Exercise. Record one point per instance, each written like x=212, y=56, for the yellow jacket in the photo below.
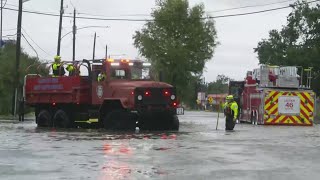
x=231, y=109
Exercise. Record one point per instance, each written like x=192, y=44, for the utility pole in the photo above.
x=60, y=27
x=1, y=23
x=74, y=35
x=106, y=51
x=17, y=67
x=94, y=45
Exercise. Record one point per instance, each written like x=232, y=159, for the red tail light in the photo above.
x=166, y=92
x=132, y=93
x=174, y=104
x=53, y=104
x=147, y=93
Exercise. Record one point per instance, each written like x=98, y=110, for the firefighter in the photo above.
x=57, y=67
x=231, y=112
x=71, y=69
x=101, y=76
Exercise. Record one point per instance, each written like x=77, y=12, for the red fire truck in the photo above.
x=275, y=95
x=123, y=100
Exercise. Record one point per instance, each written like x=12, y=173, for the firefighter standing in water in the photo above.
x=231, y=112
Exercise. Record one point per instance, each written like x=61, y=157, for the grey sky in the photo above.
x=233, y=57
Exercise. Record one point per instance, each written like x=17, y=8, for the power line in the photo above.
x=30, y=45
x=9, y=35
x=144, y=20
x=250, y=6
x=36, y=43
x=213, y=11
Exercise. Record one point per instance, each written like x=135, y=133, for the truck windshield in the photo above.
x=140, y=73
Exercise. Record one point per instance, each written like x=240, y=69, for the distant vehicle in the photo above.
x=275, y=95
x=116, y=102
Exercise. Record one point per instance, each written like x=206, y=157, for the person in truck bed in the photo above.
x=57, y=67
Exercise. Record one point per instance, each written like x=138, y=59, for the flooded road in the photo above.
x=197, y=151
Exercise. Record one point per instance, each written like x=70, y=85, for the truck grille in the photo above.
x=154, y=96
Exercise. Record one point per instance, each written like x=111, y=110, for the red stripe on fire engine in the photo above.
x=275, y=111
x=304, y=114
x=309, y=100
x=275, y=119
x=293, y=120
x=304, y=105
x=271, y=106
x=270, y=98
x=284, y=119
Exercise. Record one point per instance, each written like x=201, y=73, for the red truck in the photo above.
x=275, y=95
x=117, y=102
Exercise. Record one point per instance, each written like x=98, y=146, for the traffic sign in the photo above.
x=210, y=99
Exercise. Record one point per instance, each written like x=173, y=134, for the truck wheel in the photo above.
x=175, y=123
x=120, y=120
x=61, y=119
x=44, y=119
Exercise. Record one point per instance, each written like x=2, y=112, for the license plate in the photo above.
x=180, y=111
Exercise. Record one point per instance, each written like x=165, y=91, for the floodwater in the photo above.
x=197, y=151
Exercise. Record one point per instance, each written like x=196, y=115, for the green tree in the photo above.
x=178, y=42
x=219, y=86
x=7, y=73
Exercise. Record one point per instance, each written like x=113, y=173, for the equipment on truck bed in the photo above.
x=124, y=99
x=275, y=95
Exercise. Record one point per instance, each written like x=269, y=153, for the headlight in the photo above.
x=139, y=97
x=173, y=97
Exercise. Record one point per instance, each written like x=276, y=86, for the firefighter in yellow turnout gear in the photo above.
x=57, y=67
x=231, y=112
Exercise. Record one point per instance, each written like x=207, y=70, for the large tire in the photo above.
x=44, y=119
x=175, y=123
x=119, y=120
x=62, y=120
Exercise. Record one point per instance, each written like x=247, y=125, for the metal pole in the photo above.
x=60, y=27
x=18, y=51
x=1, y=24
x=74, y=35
x=218, y=116
x=94, y=45
x=106, y=50
x=301, y=76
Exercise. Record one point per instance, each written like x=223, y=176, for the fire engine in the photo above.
x=122, y=100
x=275, y=95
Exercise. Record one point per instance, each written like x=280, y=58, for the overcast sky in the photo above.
x=233, y=57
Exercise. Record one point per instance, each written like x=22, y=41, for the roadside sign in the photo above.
x=210, y=99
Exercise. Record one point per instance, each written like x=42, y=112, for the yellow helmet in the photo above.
x=57, y=58
x=230, y=97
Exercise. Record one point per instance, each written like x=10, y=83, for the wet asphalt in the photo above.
x=197, y=151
